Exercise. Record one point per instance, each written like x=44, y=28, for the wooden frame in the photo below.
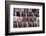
x=7, y=10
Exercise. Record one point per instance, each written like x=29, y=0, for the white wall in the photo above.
x=2, y=17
